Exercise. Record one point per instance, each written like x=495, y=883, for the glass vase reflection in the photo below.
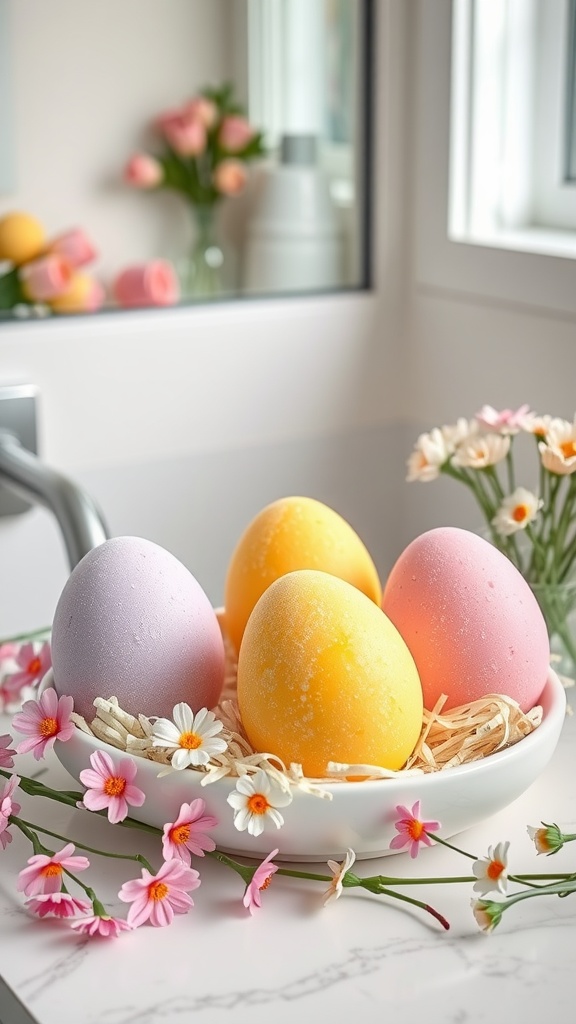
x=208, y=272
x=558, y=605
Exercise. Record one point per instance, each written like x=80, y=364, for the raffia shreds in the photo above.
x=466, y=733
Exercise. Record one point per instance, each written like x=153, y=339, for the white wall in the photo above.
x=87, y=81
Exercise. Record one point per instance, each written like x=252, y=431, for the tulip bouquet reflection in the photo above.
x=205, y=145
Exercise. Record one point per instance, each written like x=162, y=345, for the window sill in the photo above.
x=540, y=241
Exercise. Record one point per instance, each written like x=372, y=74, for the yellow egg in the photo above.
x=324, y=675
x=21, y=237
x=293, y=533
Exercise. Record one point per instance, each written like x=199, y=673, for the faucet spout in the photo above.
x=81, y=522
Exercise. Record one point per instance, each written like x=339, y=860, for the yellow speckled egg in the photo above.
x=324, y=675
x=293, y=533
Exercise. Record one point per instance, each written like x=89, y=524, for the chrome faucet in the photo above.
x=26, y=480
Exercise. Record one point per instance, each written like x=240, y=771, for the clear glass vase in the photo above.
x=558, y=604
x=206, y=273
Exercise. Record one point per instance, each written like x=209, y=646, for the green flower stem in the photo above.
x=89, y=849
x=31, y=635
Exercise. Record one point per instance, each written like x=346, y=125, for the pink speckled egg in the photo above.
x=133, y=622
x=470, y=620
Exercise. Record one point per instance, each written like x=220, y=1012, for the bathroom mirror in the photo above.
x=81, y=91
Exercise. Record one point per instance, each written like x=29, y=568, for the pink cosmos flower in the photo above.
x=6, y=753
x=75, y=246
x=158, y=897
x=7, y=807
x=230, y=177
x=235, y=133
x=45, y=278
x=44, y=721
x=147, y=284
x=143, y=171
x=260, y=880
x=44, y=874
x=96, y=924
x=412, y=831
x=110, y=785
x=33, y=663
x=184, y=131
x=186, y=835
x=8, y=651
x=61, y=904
x=507, y=422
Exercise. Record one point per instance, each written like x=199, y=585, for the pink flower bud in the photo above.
x=46, y=277
x=147, y=284
x=74, y=246
x=230, y=177
x=203, y=109
x=185, y=133
x=235, y=133
x=143, y=171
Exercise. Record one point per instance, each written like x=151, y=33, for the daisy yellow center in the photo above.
x=114, y=785
x=48, y=727
x=157, y=891
x=415, y=829
x=181, y=834
x=34, y=666
x=258, y=804
x=52, y=870
x=265, y=883
x=520, y=513
x=190, y=740
x=494, y=869
x=568, y=449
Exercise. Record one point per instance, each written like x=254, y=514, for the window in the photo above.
x=513, y=137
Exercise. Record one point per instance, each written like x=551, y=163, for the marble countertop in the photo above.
x=362, y=958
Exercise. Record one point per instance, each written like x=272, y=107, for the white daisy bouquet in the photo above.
x=535, y=526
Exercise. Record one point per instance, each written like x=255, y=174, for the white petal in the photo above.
x=243, y=819
x=256, y=824
x=183, y=717
x=180, y=759
x=276, y=817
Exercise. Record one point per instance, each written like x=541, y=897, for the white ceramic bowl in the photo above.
x=360, y=815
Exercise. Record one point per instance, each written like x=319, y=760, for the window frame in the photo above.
x=501, y=271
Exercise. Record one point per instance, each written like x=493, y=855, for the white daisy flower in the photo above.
x=334, y=890
x=558, y=450
x=482, y=450
x=192, y=737
x=430, y=453
x=256, y=800
x=516, y=511
x=490, y=871
x=537, y=425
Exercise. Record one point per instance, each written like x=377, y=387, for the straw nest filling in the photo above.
x=463, y=734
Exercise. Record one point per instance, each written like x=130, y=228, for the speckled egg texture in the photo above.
x=134, y=623
x=323, y=675
x=469, y=618
x=288, y=534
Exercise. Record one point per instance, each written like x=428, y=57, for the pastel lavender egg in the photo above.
x=469, y=618
x=134, y=623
